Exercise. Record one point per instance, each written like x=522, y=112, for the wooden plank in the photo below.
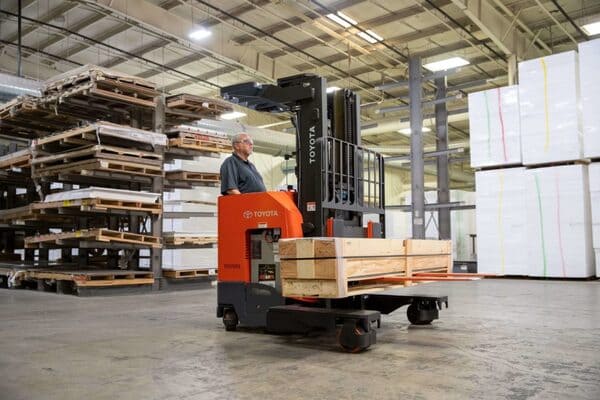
x=343, y=268
x=432, y=263
x=339, y=247
x=421, y=247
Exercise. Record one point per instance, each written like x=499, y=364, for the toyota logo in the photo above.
x=247, y=214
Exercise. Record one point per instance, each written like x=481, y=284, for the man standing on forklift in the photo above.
x=238, y=174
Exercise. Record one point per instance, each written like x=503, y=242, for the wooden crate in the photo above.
x=341, y=267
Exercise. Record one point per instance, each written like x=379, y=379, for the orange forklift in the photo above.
x=339, y=183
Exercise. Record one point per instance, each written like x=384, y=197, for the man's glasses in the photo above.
x=247, y=141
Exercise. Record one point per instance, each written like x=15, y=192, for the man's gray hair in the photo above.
x=238, y=138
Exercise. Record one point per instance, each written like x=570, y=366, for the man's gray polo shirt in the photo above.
x=241, y=175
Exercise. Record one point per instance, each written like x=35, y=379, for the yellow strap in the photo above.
x=546, y=115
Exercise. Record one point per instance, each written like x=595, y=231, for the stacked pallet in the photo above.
x=100, y=149
x=342, y=267
x=554, y=184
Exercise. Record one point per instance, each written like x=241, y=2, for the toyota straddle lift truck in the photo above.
x=338, y=183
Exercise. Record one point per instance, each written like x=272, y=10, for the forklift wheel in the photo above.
x=230, y=319
x=348, y=343
x=413, y=316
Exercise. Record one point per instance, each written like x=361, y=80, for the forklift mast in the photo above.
x=339, y=182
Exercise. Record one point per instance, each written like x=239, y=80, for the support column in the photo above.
x=443, y=175
x=157, y=187
x=416, y=148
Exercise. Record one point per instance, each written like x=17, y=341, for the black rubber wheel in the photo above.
x=351, y=348
x=230, y=320
x=413, y=316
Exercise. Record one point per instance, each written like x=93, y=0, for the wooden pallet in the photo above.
x=102, y=132
x=199, y=135
x=189, y=273
x=93, y=81
x=16, y=160
x=58, y=211
x=178, y=240
x=98, y=164
x=98, y=151
x=97, y=235
x=96, y=278
x=201, y=145
x=202, y=107
x=27, y=117
x=192, y=176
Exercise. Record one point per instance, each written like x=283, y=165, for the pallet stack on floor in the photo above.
x=534, y=210
x=88, y=187
x=193, y=185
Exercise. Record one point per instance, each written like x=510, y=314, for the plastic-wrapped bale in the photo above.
x=551, y=128
x=501, y=227
x=494, y=127
x=595, y=201
x=589, y=63
x=559, y=225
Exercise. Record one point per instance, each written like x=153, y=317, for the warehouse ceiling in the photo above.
x=261, y=40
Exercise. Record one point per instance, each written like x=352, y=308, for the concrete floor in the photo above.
x=500, y=339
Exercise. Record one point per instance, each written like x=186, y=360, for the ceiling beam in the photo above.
x=49, y=16
x=498, y=28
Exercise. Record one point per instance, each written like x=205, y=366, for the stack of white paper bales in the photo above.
x=595, y=200
x=494, y=125
x=549, y=108
x=559, y=237
x=589, y=65
x=538, y=221
x=501, y=221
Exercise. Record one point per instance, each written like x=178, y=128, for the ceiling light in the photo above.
x=332, y=89
x=370, y=36
x=342, y=19
x=199, y=34
x=232, y=115
x=592, y=29
x=407, y=131
x=442, y=65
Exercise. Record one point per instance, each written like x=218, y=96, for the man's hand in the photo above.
x=233, y=191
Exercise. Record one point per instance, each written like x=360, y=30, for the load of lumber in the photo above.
x=341, y=267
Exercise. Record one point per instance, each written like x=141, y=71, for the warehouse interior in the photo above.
x=442, y=155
